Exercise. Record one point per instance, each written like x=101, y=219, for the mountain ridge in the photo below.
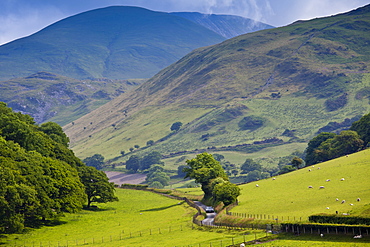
x=311, y=70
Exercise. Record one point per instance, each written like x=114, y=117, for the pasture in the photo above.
x=140, y=218
x=290, y=195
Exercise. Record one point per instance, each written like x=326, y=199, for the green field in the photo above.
x=140, y=218
x=289, y=195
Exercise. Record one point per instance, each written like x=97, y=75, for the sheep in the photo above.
x=318, y=168
x=343, y=201
x=322, y=187
x=337, y=199
x=327, y=208
x=310, y=187
x=321, y=235
x=309, y=170
x=342, y=179
x=358, y=199
x=273, y=178
x=327, y=180
x=358, y=236
x=242, y=245
x=257, y=185
x=351, y=204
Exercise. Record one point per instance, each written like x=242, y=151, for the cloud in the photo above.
x=25, y=21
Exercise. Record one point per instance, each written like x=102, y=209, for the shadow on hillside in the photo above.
x=161, y=208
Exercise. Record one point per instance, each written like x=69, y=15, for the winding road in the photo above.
x=209, y=221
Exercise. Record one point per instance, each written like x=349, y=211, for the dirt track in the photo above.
x=122, y=178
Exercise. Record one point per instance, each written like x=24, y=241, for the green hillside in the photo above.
x=289, y=195
x=115, y=42
x=283, y=83
x=51, y=97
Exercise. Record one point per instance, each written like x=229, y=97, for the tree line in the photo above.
x=40, y=177
x=327, y=145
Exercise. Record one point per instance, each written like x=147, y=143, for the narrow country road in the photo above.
x=209, y=221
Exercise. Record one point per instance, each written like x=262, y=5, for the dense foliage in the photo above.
x=207, y=171
x=326, y=146
x=39, y=175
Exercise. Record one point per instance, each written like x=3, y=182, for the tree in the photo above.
x=156, y=174
x=312, y=156
x=226, y=192
x=176, y=126
x=132, y=149
x=97, y=161
x=346, y=142
x=150, y=159
x=253, y=176
x=180, y=171
x=296, y=162
x=203, y=169
x=97, y=186
x=286, y=169
x=218, y=157
x=122, y=153
x=250, y=165
x=362, y=127
x=55, y=132
x=133, y=163
x=150, y=142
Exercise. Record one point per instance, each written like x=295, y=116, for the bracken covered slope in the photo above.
x=252, y=87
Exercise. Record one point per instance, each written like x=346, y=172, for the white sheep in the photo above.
x=322, y=187
x=342, y=179
x=351, y=204
x=358, y=199
x=343, y=201
x=358, y=236
x=310, y=187
x=309, y=170
x=242, y=245
x=273, y=178
x=257, y=185
x=327, y=180
x=327, y=208
x=337, y=199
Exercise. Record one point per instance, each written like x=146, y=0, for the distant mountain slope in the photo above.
x=51, y=97
x=114, y=42
x=228, y=26
x=283, y=83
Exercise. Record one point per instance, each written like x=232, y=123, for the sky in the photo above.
x=20, y=18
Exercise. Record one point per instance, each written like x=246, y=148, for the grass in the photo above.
x=140, y=218
x=289, y=194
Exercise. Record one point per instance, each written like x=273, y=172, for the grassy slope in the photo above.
x=304, y=60
x=117, y=42
x=138, y=212
x=51, y=97
x=289, y=194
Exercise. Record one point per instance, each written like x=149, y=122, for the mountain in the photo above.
x=51, y=97
x=270, y=87
x=116, y=42
x=228, y=26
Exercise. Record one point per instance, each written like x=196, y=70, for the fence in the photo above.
x=325, y=229
x=278, y=219
x=99, y=240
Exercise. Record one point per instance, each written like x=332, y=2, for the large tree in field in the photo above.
x=97, y=187
x=204, y=168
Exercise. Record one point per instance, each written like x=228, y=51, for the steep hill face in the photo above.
x=283, y=83
x=51, y=97
x=228, y=26
x=114, y=42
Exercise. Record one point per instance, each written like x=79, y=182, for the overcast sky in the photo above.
x=19, y=18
